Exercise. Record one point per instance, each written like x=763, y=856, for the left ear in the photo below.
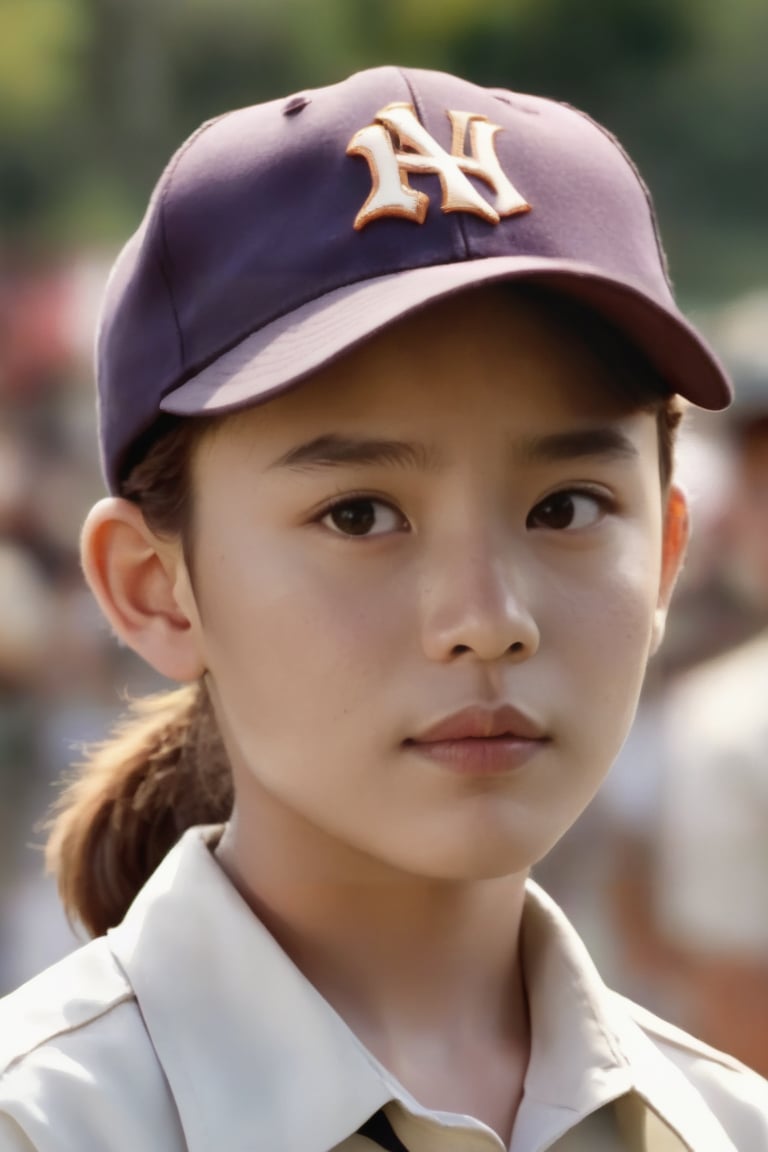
x=674, y=544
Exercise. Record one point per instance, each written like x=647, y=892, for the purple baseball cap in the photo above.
x=281, y=235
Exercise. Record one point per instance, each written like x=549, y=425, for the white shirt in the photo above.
x=188, y=1029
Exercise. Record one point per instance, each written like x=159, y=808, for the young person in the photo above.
x=388, y=385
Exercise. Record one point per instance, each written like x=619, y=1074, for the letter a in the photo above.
x=397, y=128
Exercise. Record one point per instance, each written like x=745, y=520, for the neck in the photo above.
x=388, y=950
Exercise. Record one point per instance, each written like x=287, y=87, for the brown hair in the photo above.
x=164, y=769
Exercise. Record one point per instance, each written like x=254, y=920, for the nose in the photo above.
x=476, y=603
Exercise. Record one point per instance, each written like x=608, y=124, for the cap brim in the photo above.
x=286, y=351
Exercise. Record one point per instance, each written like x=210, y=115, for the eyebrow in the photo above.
x=331, y=450
x=607, y=442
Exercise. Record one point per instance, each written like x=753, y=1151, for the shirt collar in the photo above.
x=588, y=1051
x=232, y=1018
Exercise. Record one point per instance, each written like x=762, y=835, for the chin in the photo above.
x=506, y=839
x=486, y=857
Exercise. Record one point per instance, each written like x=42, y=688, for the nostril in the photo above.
x=516, y=647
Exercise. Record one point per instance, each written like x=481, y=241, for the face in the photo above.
x=461, y=517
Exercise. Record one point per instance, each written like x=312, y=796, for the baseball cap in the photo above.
x=281, y=235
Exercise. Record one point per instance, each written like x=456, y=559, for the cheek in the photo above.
x=293, y=646
x=603, y=632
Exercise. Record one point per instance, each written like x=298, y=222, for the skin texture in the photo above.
x=493, y=573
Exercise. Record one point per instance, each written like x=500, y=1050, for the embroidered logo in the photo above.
x=397, y=143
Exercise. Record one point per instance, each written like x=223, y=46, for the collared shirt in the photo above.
x=188, y=1029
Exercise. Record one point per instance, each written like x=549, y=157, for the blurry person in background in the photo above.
x=26, y=613
x=712, y=888
x=57, y=665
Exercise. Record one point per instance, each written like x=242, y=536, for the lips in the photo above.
x=480, y=743
x=477, y=723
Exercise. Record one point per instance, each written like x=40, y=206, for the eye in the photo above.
x=568, y=510
x=362, y=516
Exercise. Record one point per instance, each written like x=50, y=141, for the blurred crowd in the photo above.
x=666, y=874
x=62, y=676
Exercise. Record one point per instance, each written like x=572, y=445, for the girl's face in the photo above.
x=459, y=515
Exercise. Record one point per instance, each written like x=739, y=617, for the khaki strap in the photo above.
x=643, y=1130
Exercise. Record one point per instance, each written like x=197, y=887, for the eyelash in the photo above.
x=603, y=500
x=350, y=498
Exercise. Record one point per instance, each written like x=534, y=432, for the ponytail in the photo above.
x=164, y=768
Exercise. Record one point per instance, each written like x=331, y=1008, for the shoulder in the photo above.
x=65, y=998
x=74, y=1059
x=736, y=1095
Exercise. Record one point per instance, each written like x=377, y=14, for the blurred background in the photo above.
x=94, y=97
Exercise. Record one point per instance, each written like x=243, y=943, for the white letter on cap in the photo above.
x=396, y=128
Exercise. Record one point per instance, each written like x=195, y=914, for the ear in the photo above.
x=143, y=588
x=674, y=544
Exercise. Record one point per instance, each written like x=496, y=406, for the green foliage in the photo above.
x=96, y=94
x=39, y=44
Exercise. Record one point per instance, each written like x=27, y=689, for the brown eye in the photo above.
x=362, y=516
x=564, y=510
